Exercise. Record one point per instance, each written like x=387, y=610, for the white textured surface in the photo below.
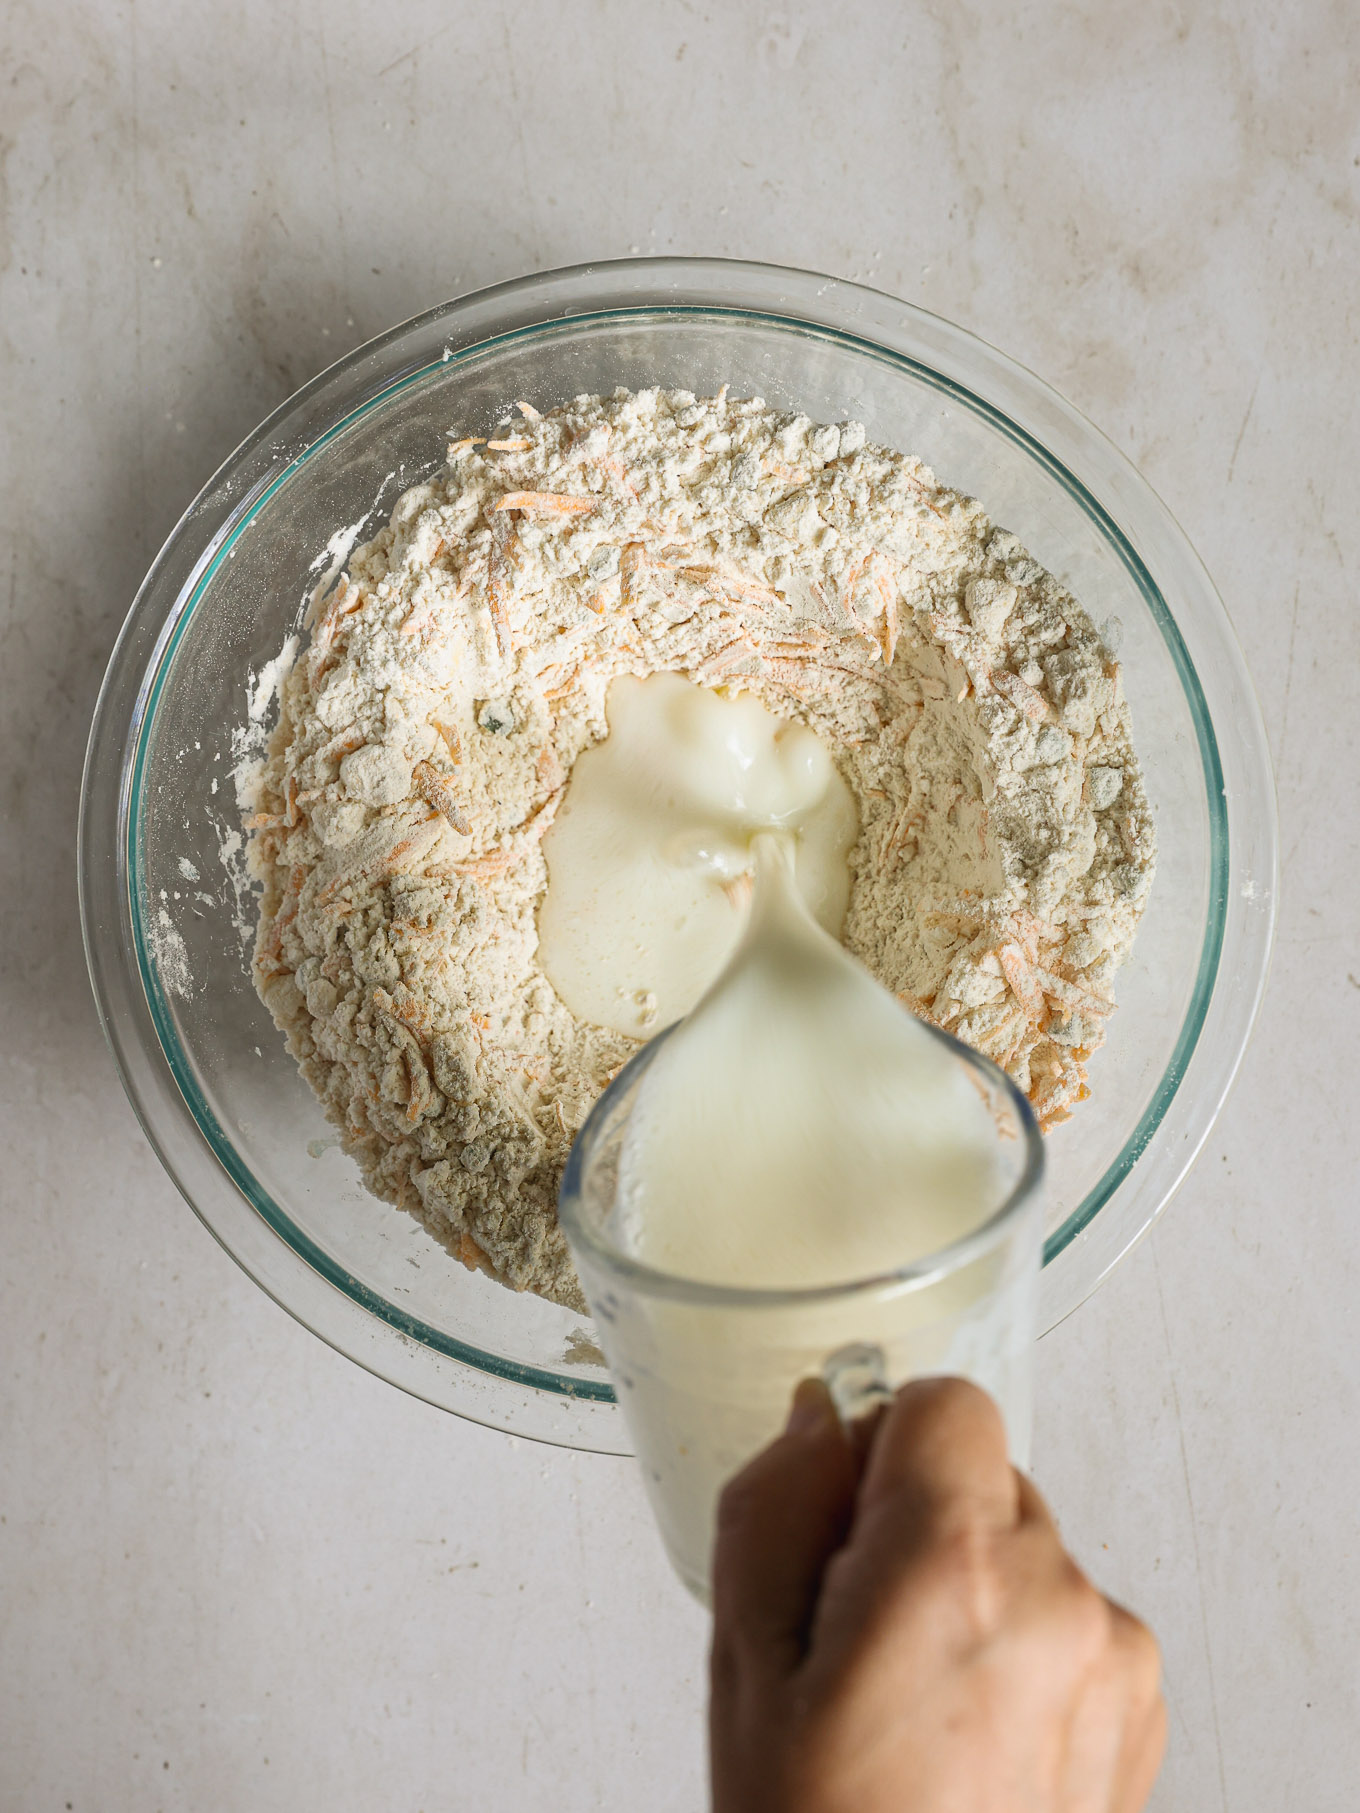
x=238, y=1574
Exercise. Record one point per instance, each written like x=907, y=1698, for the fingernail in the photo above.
x=812, y=1408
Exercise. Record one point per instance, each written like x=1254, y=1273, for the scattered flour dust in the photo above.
x=457, y=667
x=172, y=955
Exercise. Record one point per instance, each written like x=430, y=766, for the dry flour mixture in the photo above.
x=459, y=666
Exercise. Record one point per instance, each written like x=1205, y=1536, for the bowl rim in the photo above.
x=662, y=288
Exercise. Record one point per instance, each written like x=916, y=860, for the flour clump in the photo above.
x=460, y=664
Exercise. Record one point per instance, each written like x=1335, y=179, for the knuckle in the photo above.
x=962, y=1542
x=947, y=1400
x=969, y=1568
x=1154, y=1740
x=1142, y=1656
x=949, y=1392
x=1082, y=1610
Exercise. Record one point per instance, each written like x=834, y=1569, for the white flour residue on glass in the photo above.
x=172, y=955
x=336, y=552
x=330, y=562
x=248, y=740
x=231, y=853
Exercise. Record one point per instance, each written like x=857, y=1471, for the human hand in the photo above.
x=897, y=1628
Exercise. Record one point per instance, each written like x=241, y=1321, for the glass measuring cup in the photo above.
x=704, y=1372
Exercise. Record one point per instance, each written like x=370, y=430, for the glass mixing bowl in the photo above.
x=166, y=919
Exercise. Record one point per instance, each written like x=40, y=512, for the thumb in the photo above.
x=780, y=1520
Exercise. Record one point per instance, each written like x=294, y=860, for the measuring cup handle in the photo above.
x=856, y=1377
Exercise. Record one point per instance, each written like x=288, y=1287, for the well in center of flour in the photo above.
x=464, y=661
x=650, y=857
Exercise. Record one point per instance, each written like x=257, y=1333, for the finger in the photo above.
x=1113, y=1744
x=1141, y=1761
x=863, y=1432
x=779, y=1522
x=1031, y=1505
x=940, y=1456
x=1139, y=1661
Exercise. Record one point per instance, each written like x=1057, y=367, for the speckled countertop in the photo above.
x=239, y=1574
